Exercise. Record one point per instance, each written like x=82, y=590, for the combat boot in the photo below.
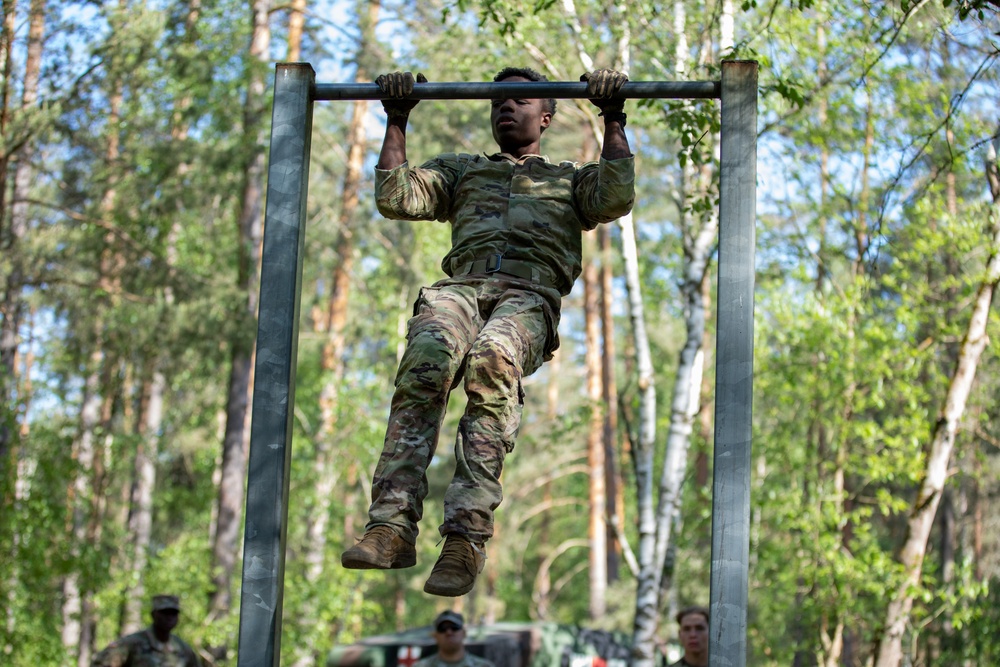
x=456, y=568
x=382, y=548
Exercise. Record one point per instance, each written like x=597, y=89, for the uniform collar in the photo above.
x=498, y=157
x=162, y=647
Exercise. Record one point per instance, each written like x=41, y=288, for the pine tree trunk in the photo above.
x=296, y=24
x=541, y=594
x=7, y=28
x=150, y=420
x=597, y=532
x=77, y=632
x=333, y=325
x=609, y=397
x=12, y=308
x=225, y=542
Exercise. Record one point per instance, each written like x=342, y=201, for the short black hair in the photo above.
x=694, y=609
x=530, y=75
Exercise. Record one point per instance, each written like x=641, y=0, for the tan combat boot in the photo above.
x=456, y=568
x=382, y=548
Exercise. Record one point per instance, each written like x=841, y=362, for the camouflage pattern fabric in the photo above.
x=493, y=328
x=494, y=332
x=530, y=209
x=143, y=649
x=469, y=660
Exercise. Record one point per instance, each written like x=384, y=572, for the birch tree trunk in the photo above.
x=250, y=219
x=921, y=519
x=699, y=234
x=647, y=587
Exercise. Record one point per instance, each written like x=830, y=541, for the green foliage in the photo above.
x=867, y=256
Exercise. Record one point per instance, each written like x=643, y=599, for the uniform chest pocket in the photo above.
x=536, y=187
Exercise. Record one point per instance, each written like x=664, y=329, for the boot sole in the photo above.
x=446, y=591
x=357, y=562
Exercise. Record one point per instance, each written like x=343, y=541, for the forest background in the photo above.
x=134, y=144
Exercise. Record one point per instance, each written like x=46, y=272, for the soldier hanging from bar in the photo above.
x=517, y=222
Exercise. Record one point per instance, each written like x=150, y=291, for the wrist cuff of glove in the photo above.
x=614, y=114
x=397, y=113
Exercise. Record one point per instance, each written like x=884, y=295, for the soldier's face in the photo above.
x=694, y=634
x=449, y=635
x=518, y=122
x=165, y=619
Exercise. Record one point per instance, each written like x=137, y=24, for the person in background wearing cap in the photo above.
x=449, y=634
x=154, y=646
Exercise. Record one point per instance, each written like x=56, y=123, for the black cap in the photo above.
x=166, y=602
x=451, y=617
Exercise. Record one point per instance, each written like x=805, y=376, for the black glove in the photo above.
x=602, y=85
x=398, y=85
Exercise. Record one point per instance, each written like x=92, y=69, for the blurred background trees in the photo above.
x=134, y=140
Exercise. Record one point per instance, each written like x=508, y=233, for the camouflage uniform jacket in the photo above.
x=527, y=209
x=468, y=660
x=143, y=649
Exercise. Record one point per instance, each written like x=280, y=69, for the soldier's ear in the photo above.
x=546, y=119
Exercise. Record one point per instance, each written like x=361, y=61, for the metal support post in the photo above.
x=277, y=338
x=274, y=380
x=734, y=367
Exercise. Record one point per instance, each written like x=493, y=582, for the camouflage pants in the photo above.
x=493, y=332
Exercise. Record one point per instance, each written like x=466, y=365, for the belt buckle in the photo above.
x=490, y=266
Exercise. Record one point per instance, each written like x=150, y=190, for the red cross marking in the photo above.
x=407, y=656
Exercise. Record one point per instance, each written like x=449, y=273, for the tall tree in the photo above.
x=14, y=226
x=12, y=308
x=331, y=326
x=609, y=396
x=942, y=441
x=597, y=533
x=98, y=397
x=249, y=223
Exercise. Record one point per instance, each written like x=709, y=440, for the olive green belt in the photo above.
x=499, y=264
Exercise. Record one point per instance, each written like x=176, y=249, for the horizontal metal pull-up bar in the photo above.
x=562, y=90
x=295, y=92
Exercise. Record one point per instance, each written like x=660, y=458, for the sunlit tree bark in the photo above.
x=250, y=220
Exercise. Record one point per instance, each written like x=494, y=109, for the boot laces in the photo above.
x=460, y=553
x=383, y=535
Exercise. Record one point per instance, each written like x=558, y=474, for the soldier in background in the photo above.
x=693, y=635
x=449, y=635
x=154, y=646
x=516, y=228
